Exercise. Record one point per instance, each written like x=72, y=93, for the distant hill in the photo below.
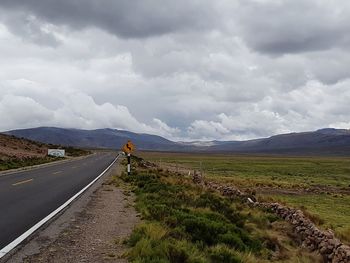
x=100, y=138
x=321, y=142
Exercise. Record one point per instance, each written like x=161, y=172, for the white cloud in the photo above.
x=340, y=125
x=163, y=129
x=22, y=112
x=78, y=110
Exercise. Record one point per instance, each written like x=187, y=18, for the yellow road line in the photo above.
x=57, y=172
x=23, y=182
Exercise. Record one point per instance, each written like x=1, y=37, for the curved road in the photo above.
x=26, y=197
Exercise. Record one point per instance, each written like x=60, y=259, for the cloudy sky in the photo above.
x=185, y=69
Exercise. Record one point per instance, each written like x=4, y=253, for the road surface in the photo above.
x=26, y=197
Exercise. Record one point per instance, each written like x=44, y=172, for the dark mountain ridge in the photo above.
x=323, y=141
x=327, y=141
x=99, y=138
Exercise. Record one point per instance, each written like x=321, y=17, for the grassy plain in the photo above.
x=318, y=185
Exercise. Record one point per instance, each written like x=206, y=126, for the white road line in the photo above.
x=23, y=182
x=30, y=231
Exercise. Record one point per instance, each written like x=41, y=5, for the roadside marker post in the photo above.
x=129, y=163
x=128, y=148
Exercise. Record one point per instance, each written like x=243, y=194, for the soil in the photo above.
x=96, y=233
x=12, y=147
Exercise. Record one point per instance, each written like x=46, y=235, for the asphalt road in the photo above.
x=26, y=197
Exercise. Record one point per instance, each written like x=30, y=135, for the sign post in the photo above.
x=129, y=163
x=128, y=148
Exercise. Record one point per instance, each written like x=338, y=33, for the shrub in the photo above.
x=222, y=254
x=220, y=205
x=150, y=244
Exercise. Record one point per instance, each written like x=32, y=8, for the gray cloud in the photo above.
x=279, y=27
x=128, y=19
x=29, y=28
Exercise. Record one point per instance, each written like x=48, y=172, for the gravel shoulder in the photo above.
x=93, y=234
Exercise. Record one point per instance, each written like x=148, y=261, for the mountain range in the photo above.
x=327, y=141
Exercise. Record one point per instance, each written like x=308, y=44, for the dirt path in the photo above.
x=96, y=233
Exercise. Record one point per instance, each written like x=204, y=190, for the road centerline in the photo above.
x=23, y=182
x=58, y=172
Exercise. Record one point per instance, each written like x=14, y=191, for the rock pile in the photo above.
x=146, y=164
x=331, y=248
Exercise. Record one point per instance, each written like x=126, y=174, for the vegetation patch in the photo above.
x=184, y=223
x=75, y=152
x=14, y=163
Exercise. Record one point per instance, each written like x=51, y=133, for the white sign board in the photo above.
x=56, y=152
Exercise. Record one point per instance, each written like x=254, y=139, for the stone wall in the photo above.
x=331, y=248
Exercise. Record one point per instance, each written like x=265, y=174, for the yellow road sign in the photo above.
x=128, y=147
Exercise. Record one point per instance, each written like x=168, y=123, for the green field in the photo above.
x=318, y=185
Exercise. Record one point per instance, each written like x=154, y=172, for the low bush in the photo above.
x=221, y=205
x=151, y=243
x=75, y=152
x=223, y=254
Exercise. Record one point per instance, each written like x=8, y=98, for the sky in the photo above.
x=185, y=69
